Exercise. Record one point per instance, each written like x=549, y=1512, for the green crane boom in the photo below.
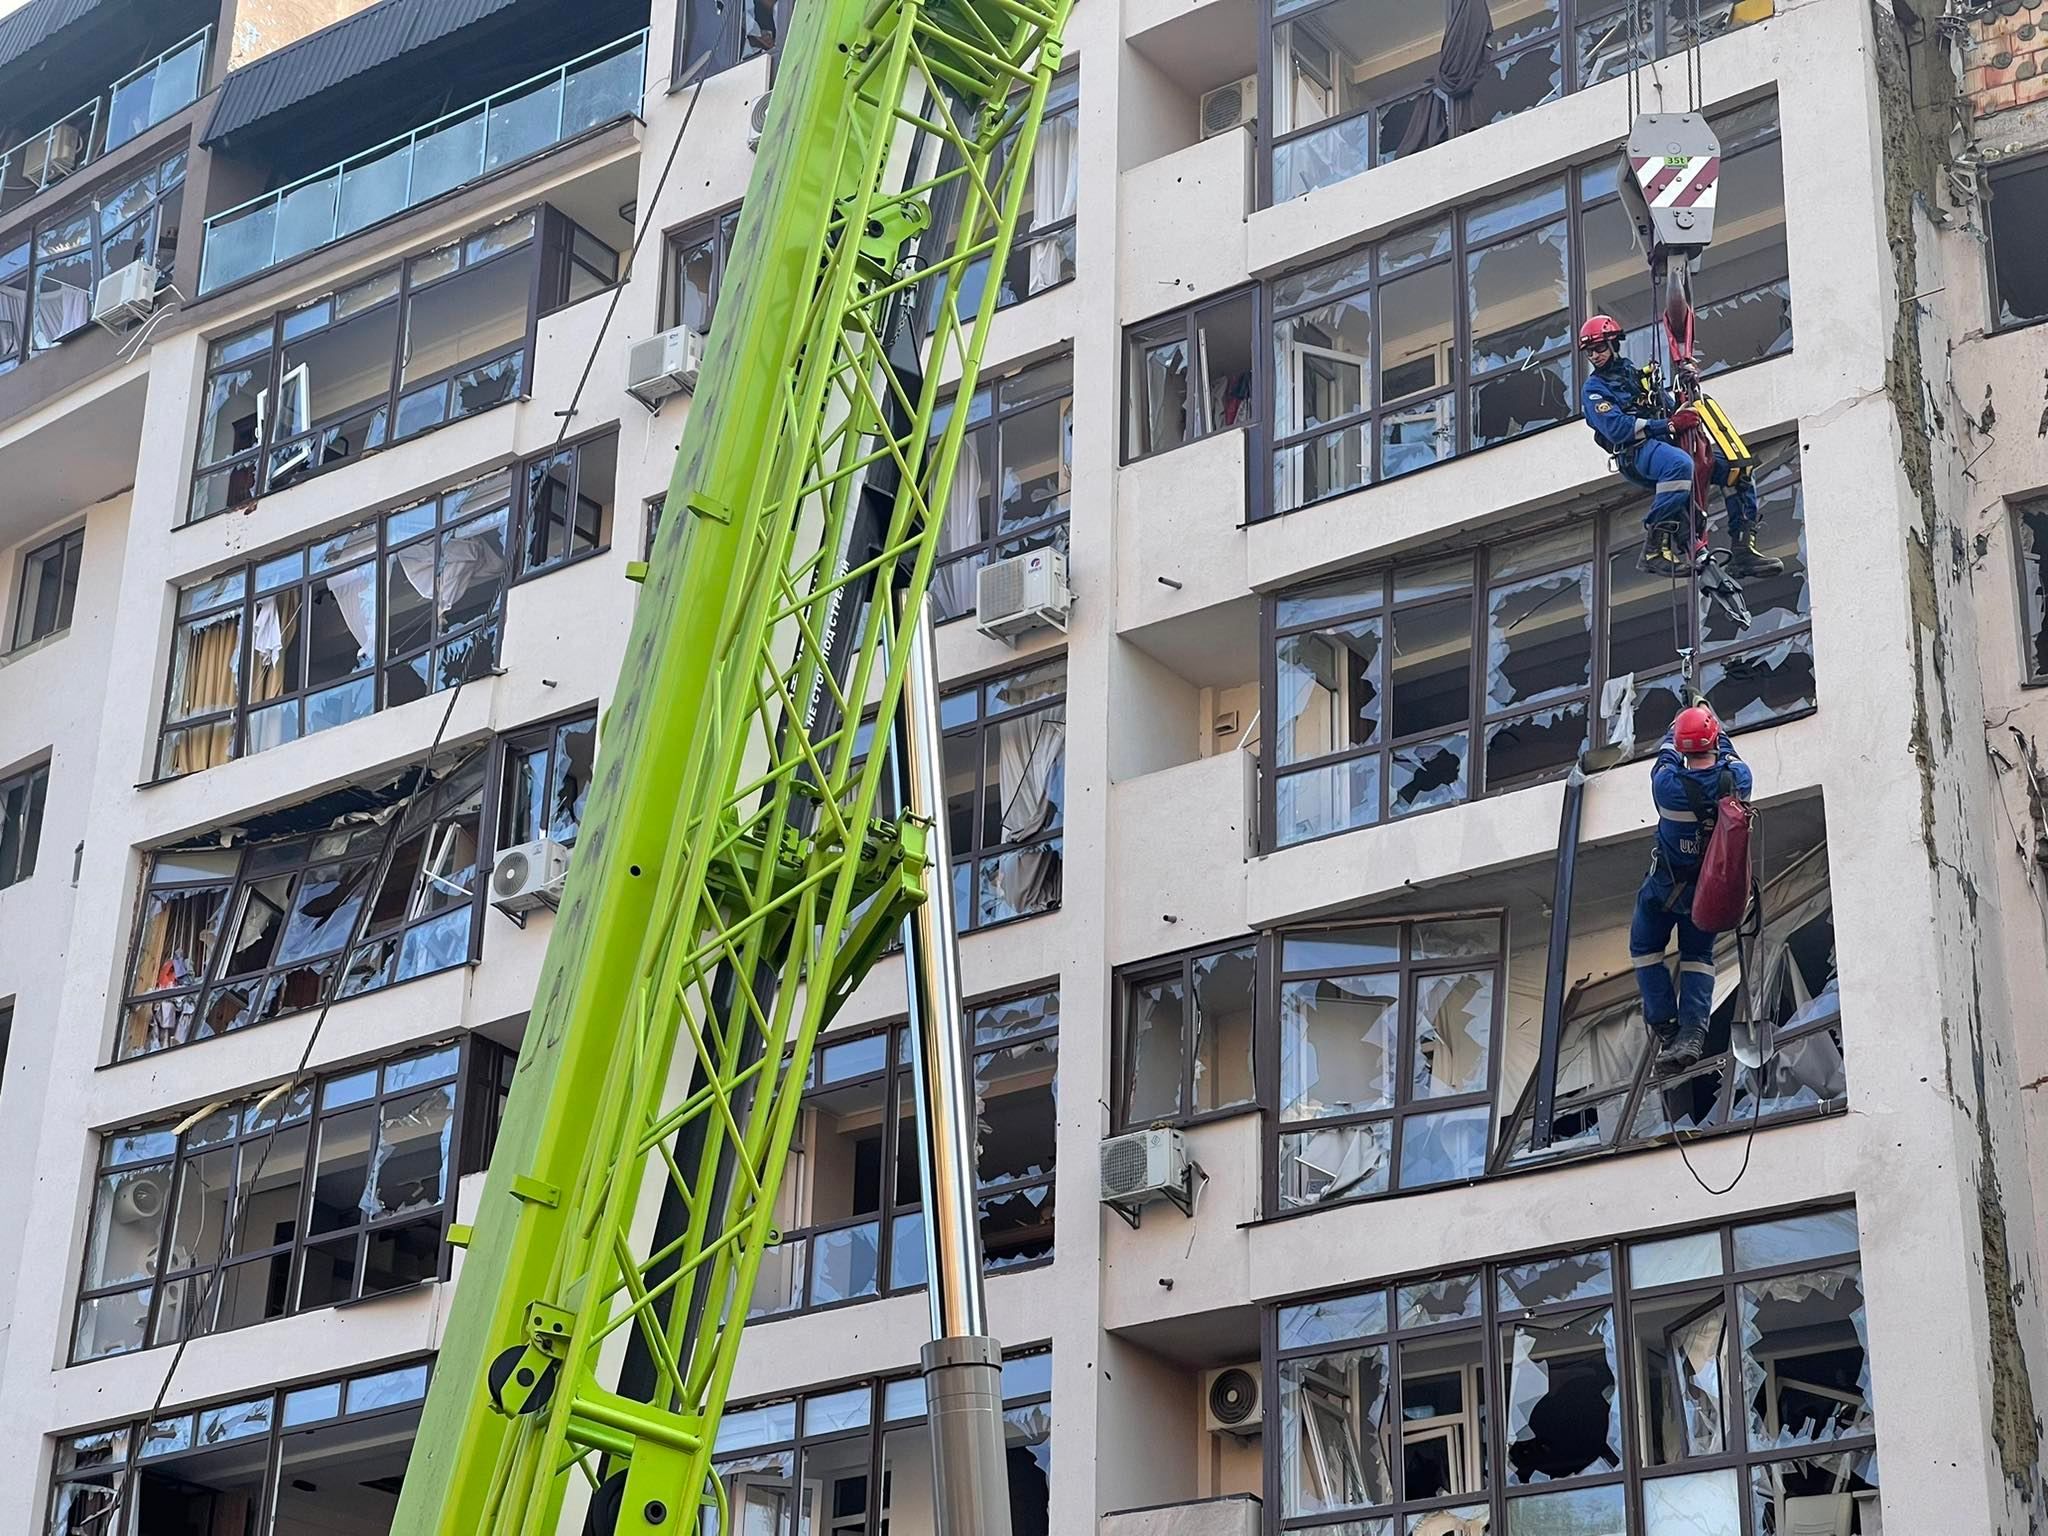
x=733, y=881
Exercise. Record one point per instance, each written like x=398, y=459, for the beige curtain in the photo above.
x=205, y=683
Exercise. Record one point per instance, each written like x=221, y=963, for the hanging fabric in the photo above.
x=1445, y=111
x=1055, y=193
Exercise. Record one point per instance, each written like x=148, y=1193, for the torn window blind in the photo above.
x=231, y=937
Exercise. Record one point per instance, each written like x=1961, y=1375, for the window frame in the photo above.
x=256, y=1124
x=896, y=1077
x=2011, y=169
x=735, y=45
x=968, y=861
x=1563, y=35
x=1582, y=198
x=2020, y=511
x=32, y=784
x=984, y=427
x=68, y=549
x=1190, y=317
x=1495, y=1320
x=131, y=1434
x=367, y=936
x=544, y=737
x=1403, y=1105
x=261, y=459
x=1182, y=966
x=1779, y=471
x=522, y=529
x=719, y=229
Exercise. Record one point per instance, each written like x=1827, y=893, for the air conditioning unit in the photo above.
x=1139, y=1167
x=529, y=876
x=140, y=1201
x=125, y=296
x=664, y=364
x=757, y=121
x=1230, y=1400
x=1230, y=106
x=1025, y=592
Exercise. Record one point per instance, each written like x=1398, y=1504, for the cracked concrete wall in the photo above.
x=1988, y=948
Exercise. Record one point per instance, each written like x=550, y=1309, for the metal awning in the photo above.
x=37, y=23
x=335, y=55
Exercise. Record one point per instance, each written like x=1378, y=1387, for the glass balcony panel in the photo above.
x=374, y=188
x=448, y=156
x=523, y=123
x=602, y=90
x=305, y=217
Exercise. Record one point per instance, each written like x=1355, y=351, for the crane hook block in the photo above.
x=1670, y=172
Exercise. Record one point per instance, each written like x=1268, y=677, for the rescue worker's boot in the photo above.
x=1662, y=1033
x=1662, y=555
x=1686, y=1048
x=1746, y=560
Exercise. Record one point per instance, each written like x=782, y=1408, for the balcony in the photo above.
x=138, y=101
x=514, y=125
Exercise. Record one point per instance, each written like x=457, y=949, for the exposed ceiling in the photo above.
x=55, y=468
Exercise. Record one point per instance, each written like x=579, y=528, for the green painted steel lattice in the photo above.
x=733, y=882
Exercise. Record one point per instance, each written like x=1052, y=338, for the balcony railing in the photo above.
x=464, y=145
x=139, y=100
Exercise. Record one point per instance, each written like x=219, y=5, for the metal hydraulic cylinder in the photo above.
x=963, y=1365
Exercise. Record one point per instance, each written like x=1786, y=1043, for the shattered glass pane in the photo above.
x=1805, y=1358
x=1573, y=1277
x=1534, y=746
x=1543, y=201
x=1681, y=1350
x=1328, y=690
x=1791, y=1239
x=1522, y=399
x=409, y=1171
x=1417, y=436
x=1443, y=1415
x=1453, y=1034
x=1761, y=686
x=1335, y=1163
x=1454, y=939
x=1506, y=284
x=1434, y=578
x=1795, y=1496
x=1774, y=602
x=1413, y=246
x=1539, y=638
x=1314, y=802
x=1441, y=1148
x=1691, y=1103
x=1429, y=774
x=1517, y=83
x=1701, y=1504
x=1805, y=1074
x=1353, y=269
x=1337, y=1046
x=1332, y=1447
x=1333, y=1320
x=1325, y=466
x=436, y=945
x=1317, y=159
x=1332, y=600
x=1154, y=1029
x=1225, y=988
x=1563, y=1397
x=1448, y=1300
x=1580, y=1512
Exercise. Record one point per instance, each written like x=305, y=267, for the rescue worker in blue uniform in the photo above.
x=1695, y=767
x=1639, y=428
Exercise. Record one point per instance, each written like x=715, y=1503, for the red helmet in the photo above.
x=1696, y=732
x=1601, y=328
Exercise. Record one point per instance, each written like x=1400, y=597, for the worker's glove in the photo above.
x=1684, y=419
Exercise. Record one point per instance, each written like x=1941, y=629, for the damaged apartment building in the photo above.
x=345, y=349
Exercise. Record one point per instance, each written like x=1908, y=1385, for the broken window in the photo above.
x=1548, y=648
x=575, y=264
x=1012, y=482
x=1184, y=1043
x=14, y=328
x=1386, y=1052
x=338, y=1189
x=694, y=271
x=850, y=1203
x=1189, y=375
x=49, y=588
x=441, y=337
x=712, y=36
x=331, y=1450
x=1500, y=273
x=567, y=504
x=227, y=938
x=1538, y=1346
x=2018, y=247
x=859, y=1457
x=73, y=249
x=2030, y=536
x=21, y=822
x=547, y=782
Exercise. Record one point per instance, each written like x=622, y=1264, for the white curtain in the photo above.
x=1055, y=192
x=960, y=526
x=13, y=312
x=1032, y=755
x=467, y=557
x=60, y=310
x=355, y=593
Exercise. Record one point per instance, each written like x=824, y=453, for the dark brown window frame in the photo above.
x=543, y=737
x=23, y=797
x=2034, y=166
x=112, y=1449
x=68, y=549
x=717, y=229
x=260, y=350
x=1587, y=189
x=1149, y=335
x=895, y=1073
x=1495, y=1321
x=253, y=1124
x=2028, y=517
x=737, y=43
x=525, y=472
x=1182, y=966
x=1779, y=473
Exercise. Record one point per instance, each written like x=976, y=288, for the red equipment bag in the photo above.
x=1721, y=894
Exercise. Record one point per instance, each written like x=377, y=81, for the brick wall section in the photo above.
x=2008, y=57
x=264, y=26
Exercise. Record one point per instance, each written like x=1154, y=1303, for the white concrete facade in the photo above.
x=1918, y=756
